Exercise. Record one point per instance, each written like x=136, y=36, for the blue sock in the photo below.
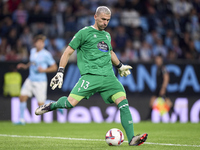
x=49, y=101
x=23, y=106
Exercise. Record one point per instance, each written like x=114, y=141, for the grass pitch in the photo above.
x=57, y=136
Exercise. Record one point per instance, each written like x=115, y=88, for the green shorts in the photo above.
x=108, y=87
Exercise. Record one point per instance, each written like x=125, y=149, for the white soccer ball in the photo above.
x=114, y=137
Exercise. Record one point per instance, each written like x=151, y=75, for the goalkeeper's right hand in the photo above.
x=57, y=80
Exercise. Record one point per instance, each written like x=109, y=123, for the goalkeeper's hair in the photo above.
x=103, y=9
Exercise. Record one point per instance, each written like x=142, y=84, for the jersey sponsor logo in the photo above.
x=102, y=46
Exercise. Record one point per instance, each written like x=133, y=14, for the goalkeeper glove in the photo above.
x=57, y=80
x=123, y=70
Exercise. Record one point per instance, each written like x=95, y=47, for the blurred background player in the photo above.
x=95, y=57
x=41, y=62
x=162, y=78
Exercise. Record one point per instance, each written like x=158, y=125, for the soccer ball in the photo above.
x=114, y=137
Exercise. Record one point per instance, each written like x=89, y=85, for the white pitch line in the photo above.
x=81, y=139
x=165, y=144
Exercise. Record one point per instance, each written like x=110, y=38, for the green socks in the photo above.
x=126, y=119
x=61, y=103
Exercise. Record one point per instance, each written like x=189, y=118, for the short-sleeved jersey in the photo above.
x=41, y=59
x=93, y=51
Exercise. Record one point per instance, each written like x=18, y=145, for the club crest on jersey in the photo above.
x=102, y=46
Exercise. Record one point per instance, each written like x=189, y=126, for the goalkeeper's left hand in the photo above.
x=123, y=70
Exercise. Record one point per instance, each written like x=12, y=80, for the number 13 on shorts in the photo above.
x=85, y=85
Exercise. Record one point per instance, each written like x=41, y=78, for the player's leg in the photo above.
x=63, y=102
x=84, y=86
x=151, y=102
x=52, y=101
x=24, y=95
x=22, y=107
x=40, y=92
x=168, y=102
x=113, y=91
x=125, y=116
x=127, y=122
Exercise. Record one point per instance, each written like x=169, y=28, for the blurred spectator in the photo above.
x=46, y=5
x=37, y=15
x=57, y=25
x=132, y=20
x=22, y=52
x=130, y=54
x=137, y=5
x=5, y=26
x=175, y=49
x=53, y=47
x=172, y=55
x=40, y=28
x=13, y=4
x=197, y=44
x=150, y=6
x=193, y=25
x=20, y=15
x=145, y=52
x=151, y=37
x=163, y=8
x=82, y=17
x=4, y=11
x=61, y=5
x=191, y=52
x=29, y=4
x=27, y=38
x=168, y=38
x=121, y=5
x=137, y=35
x=69, y=20
x=181, y=7
x=4, y=48
x=179, y=24
x=159, y=48
x=75, y=6
x=184, y=42
x=196, y=5
x=115, y=21
x=12, y=55
x=12, y=36
x=121, y=38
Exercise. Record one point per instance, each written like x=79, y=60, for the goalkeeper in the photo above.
x=94, y=59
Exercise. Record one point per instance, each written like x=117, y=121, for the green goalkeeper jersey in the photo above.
x=93, y=51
